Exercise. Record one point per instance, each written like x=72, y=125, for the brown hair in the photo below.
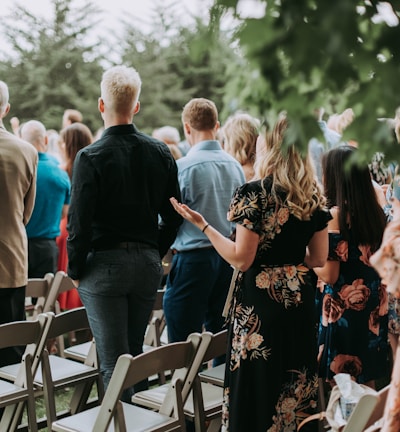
x=201, y=114
x=75, y=136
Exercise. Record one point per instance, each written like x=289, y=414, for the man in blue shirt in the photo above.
x=52, y=199
x=199, y=278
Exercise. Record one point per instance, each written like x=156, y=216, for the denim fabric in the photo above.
x=118, y=290
x=197, y=287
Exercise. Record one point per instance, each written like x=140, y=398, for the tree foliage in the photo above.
x=305, y=54
x=177, y=63
x=53, y=66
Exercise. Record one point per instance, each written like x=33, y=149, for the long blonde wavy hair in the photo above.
x=292, y=173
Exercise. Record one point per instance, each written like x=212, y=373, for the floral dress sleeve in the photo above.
x=245, y=208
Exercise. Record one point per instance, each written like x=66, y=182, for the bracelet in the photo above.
x=207, y=225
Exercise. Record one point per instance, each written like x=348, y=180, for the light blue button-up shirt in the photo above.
x=207, y=176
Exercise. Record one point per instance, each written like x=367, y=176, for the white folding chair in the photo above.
x=204, y=403
x=119, y=416
x=38, y=288
x=57, y=373
x=20, y=390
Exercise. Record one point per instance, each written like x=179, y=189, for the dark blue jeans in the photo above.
x=197, y=287
x=118, y=290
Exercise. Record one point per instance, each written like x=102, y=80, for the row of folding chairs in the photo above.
x=41, y=374
x=162, y=408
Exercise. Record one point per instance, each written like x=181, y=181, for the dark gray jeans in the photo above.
x=118, y=290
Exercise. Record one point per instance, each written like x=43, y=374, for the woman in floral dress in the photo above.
x=353, y=329
x=281, y=233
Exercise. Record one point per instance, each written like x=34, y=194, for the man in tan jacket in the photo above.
x=18, y=164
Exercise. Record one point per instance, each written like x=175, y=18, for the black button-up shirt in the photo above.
x=121, y=186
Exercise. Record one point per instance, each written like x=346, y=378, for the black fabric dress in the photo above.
x=271, y=382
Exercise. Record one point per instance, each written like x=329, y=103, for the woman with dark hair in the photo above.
x=353, y=328
x=72, y=139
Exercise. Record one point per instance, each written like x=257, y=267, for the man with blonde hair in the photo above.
x=120, y=188
x=199, y=278
x=18, y=162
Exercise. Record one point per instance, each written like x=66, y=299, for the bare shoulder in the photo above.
x=333, y=224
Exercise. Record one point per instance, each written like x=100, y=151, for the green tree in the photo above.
x=177, y=62
x=304, y=54
x=53, y=66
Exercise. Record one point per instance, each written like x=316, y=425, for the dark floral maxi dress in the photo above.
x=353, y=329
x=271, y=382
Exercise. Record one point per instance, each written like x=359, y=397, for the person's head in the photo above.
x=72, y=139
x=35, y=133
x=240, y=133
x=167, y=134
x=348, y=186
x=292, y=173
x=120, y=91
x=200, y=118
x=170, y=136
x=71, y=116
x=4, y=98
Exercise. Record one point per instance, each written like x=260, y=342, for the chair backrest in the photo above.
x=217, y=346
x=157, y=322
x=130, y=370
x=38, y=288
x=187, y=374
x=71, y=320
x=61, y=283
x=32, y=334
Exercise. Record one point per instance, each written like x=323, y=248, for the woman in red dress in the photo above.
x=72, y=139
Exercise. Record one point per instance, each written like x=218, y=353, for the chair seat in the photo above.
x=79, y=351
x=9, y=392
x=61, y=370
x=153, y=398
x=212, y=400
x=214, y=375
x=137, y=420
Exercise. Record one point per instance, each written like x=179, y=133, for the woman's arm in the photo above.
x=329, y=273
x=317, y=249
x=239, y=253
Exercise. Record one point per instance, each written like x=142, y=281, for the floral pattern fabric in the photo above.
x=353, y=327
x=271, y=375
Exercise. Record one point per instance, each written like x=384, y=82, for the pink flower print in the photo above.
x=283, y=215
x=356, y=295
x=365, y=254
x=332, y=310
x=263, y=280
x=254, y=341
x=342, y=250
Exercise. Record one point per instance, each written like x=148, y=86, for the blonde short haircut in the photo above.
x=291, y=173
x=4, y=97
x=201, y=114
x=120, y=88
x=240, y=133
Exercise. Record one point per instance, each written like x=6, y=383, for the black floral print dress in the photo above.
x=271, y=382
x=353, y=329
